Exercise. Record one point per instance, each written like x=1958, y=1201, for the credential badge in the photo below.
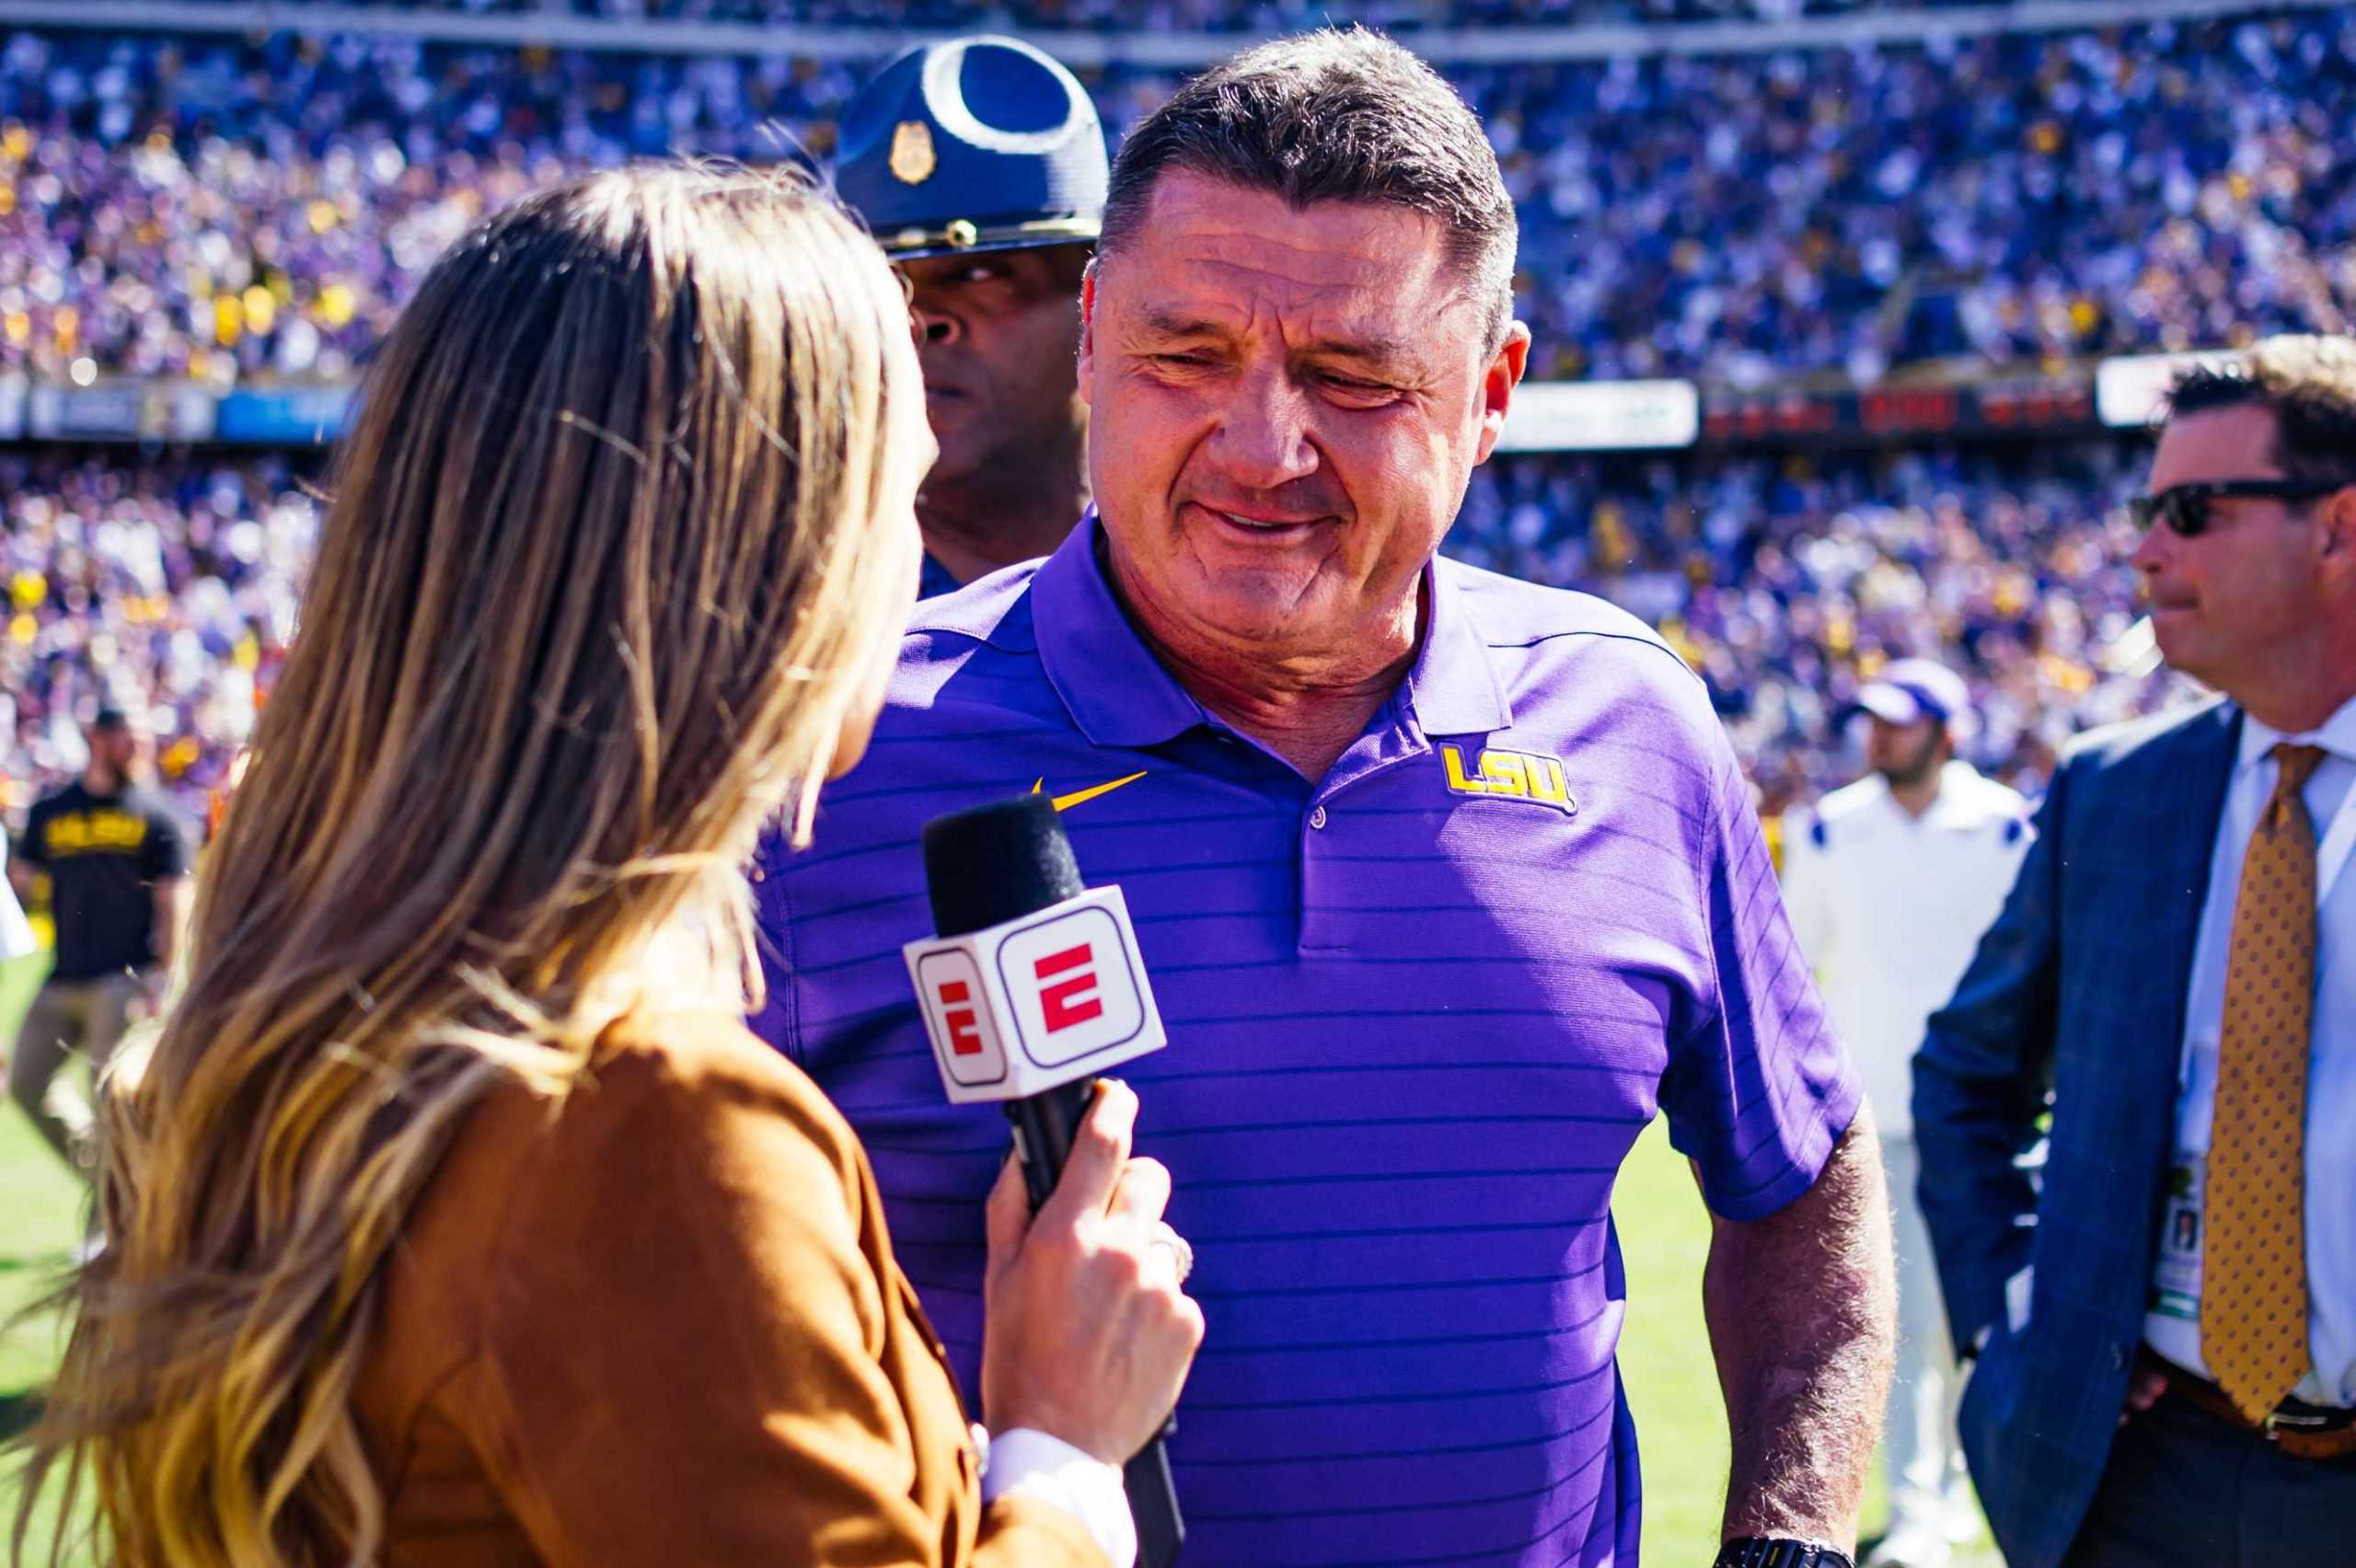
x=912, y=158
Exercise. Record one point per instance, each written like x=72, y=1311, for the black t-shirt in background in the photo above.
x=104, y=854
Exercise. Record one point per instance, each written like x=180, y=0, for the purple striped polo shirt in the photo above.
x=1418, y=1011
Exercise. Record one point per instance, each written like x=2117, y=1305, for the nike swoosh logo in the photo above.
x=1079, y=797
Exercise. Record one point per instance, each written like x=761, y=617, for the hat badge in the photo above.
x=912, y=156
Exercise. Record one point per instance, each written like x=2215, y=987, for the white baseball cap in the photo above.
x=1911, y=689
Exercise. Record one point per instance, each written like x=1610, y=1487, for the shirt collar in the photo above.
x=1120, y=694
x=1117, y=691
x=1452, y=687
x=2336, y=734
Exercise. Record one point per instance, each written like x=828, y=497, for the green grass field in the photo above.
x=41, y=1219
x=1665, y=1354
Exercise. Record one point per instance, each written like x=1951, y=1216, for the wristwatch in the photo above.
x=1776, y=1551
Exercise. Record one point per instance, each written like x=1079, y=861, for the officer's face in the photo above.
x=996, y=332
x=1285, y=407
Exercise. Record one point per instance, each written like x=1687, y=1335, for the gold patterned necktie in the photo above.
x=2254, y=1261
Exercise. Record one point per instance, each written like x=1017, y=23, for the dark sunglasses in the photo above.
x=2184, y=508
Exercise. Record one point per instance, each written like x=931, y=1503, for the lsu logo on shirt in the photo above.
x=1495, y=774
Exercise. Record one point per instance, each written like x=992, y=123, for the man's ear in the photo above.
x=1504, y=374
x=1087, y=328
x=2336, y=540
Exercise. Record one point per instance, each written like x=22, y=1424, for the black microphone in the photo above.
x=1032, y=987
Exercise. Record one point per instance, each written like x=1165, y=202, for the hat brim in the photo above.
x=918, y=244
x=1891, y=704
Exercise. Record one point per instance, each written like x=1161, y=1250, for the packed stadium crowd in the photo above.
x=169, y=588
x=1191, y=16
x=231, y=210
x=221, y=208
x=1790, y=580
x=164, y=589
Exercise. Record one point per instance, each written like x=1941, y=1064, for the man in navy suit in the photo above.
x=2166, y=1324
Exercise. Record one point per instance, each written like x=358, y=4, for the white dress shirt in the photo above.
x=1026, y=1463
x=2331, y=1062
x=1889, y=907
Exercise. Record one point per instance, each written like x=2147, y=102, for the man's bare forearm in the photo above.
x=1802, y=1309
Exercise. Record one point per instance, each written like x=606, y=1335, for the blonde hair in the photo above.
x=608, y=569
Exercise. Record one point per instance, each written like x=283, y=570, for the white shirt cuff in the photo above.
x=1026, y=1463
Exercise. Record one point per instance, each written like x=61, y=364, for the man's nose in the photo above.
x=1263, y=436
x=937, y=328
x=2152, y=550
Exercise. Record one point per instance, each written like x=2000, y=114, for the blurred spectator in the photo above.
x=220, y=208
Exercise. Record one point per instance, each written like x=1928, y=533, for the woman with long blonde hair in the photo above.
x=453, y=1216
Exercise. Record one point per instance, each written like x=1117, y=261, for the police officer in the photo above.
x=979, y=165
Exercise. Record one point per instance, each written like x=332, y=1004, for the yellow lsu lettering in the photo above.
x=1509, y=775
x=83, y=830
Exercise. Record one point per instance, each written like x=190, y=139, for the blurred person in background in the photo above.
x=117, y=857
x=1890, y=881
x=2165, y=1323
x=454, y=1217
x=978, y=165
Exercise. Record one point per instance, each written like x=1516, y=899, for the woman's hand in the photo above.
x=1088, y=1333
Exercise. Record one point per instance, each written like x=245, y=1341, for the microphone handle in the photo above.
x=1045, y=1126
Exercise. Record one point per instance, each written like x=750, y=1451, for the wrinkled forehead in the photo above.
x=1221, y=254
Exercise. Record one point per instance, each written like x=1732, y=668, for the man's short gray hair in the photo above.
x=1336, y=115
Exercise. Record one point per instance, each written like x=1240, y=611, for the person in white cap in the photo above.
x=1890, y=881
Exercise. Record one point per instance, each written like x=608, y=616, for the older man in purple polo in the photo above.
x=1449, y=885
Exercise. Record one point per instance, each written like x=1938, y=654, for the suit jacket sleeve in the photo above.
x=1980, y=1083
x=697, y=1348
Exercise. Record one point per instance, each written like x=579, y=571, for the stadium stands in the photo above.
x=1196, y=16
x=171, y=586
x=242, y=211
x=1787, y=580
x=224, y=208
x=168, y=587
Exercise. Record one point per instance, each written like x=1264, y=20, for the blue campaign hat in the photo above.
x=978, y=143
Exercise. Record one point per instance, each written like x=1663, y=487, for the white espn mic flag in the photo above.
x=1044, y=1000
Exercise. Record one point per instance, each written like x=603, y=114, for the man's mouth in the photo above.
x=1265, y=526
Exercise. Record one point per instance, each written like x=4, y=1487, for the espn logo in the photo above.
x=1071, y=1000
x=1510, y=776
x=1035, y=1002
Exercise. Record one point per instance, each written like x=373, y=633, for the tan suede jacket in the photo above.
x=663, y=1325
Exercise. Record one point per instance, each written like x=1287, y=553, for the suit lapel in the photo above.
x=2203, y=768
x=2182, y=786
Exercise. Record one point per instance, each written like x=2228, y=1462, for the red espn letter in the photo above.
x=1072, y=1001
x=964, y=1041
